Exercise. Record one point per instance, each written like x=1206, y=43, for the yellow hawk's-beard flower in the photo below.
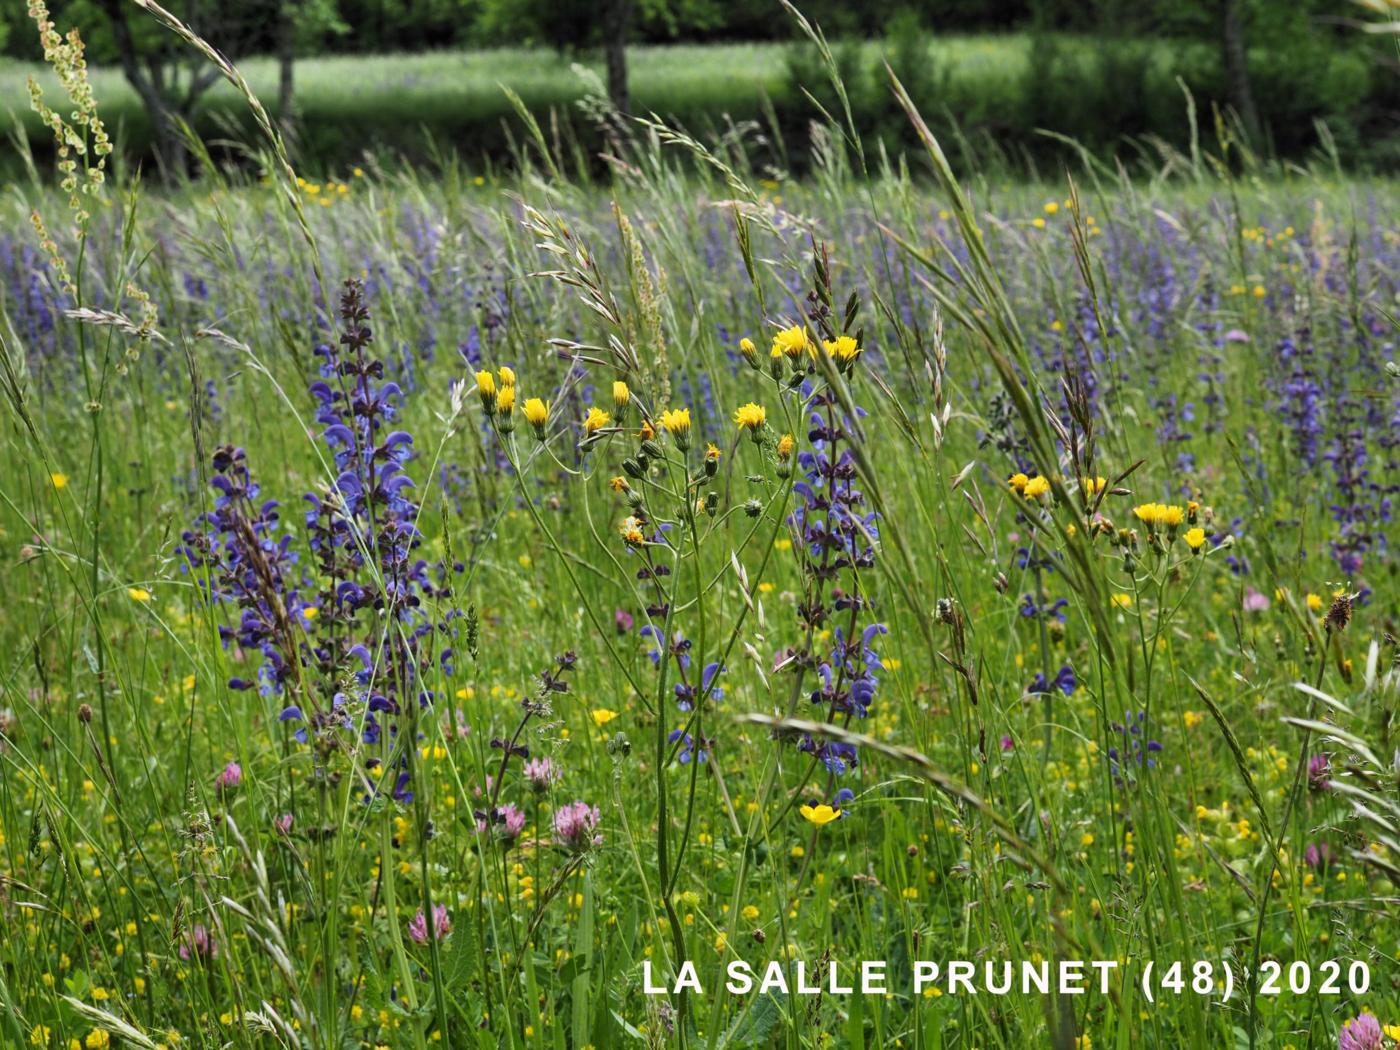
x=486, y=389
x=595, y=421
x=844, y=348
x=677, y=424
x=536, y=414
x=792, y=342
x=750, y=417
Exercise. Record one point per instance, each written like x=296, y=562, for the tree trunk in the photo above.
x=616, y=16
x=171, y=156
x=286, y=59
x=1237, y=70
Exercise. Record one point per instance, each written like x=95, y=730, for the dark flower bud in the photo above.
x=84, y=713
x=632, y=468
x=1339, y=615
x=651, y=448
x=753, y=508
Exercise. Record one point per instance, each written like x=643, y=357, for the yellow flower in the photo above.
x=647, y=431
x=1051, y=207
x=1093, y=486
x=622, y=396
x=821, y=814
x=631, y=530
x=712, y=452
x=602, y=716
x=785, y=446
x=310, y=612
x=1159, y=514
x=844, y=348
x=792, y=342
x=1314, y=602
x=1122, y=601
x=486, y=389
x=676, y=421
x=618, y=483
x=1392, y=1031
x=138, y=594
x=1195, y=538
x=750, y=417
x=505, y=399
x=39, y=1035
x=507, y=375
x=97, y=1039
x=59, y=480
x=749, y=351
x=1018, y=482
x=1035, y=487
x=536, y=414
x=749, y=913
x=1038, y=223
x=1192, y=719
x=595, y=421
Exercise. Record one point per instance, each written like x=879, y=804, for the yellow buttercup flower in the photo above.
x=821, y=814
x=59, y=480
x=595, y=421
x=750, y=417
x=602, y=716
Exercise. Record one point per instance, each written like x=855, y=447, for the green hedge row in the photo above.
x=987, y=96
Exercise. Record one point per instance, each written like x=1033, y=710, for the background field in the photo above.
x=968, y=566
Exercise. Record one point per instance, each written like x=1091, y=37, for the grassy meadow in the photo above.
x=432, y=605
